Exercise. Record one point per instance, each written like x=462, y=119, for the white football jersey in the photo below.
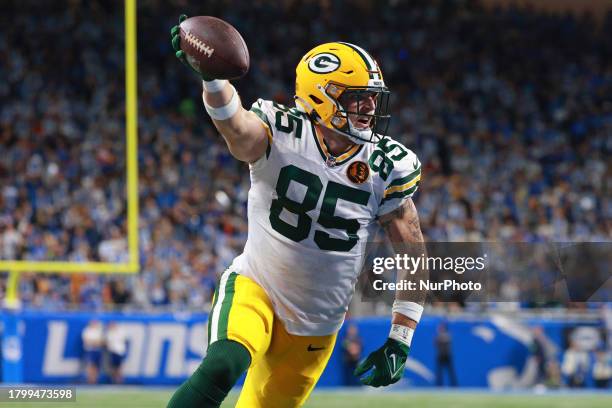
x=311, y=216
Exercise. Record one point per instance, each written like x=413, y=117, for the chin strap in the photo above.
x=356, y=135
x=352, y=138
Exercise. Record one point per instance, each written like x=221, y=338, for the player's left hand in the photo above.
x=178, y=52
x=386, y=364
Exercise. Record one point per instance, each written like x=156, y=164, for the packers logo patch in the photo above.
x=358, y=172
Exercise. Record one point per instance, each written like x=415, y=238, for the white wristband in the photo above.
x=411, y=310
x=401, y=333
x=216, y=85
x=226, y=111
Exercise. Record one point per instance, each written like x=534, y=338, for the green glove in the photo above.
x=387, y=364
x=180, y=54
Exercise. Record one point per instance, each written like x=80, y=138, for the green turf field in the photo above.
x=132, y=398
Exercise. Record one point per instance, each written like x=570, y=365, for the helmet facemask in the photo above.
x=332, y=72
x=343, y=119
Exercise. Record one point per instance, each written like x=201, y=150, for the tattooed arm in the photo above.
x=386, y=365
x=404, y=231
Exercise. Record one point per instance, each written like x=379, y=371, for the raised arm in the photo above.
x=245, y=134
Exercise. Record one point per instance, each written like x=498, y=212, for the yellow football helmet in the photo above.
x=333, y=70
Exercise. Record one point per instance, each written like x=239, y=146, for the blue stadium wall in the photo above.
x=164, y=348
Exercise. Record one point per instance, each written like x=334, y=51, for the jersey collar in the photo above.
x=330, y=159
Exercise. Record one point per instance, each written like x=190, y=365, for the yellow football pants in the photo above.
x=284, y=367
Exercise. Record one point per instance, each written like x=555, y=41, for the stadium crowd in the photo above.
x=508, y=110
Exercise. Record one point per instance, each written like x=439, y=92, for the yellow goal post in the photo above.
x=15, y=267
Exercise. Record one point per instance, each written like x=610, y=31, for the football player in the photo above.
x=324, y=177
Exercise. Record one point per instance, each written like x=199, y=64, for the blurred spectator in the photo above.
x=606, y=317
x=119, y=293
x=602, y=369
x=544, y=354
x=93, y=343
x=508, y=110
x=352, y=348
x=538, y=350
x=116, y=345
x=575, y=365
x=444, y=356
x=553, y=374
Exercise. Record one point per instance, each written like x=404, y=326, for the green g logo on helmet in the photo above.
x=324, y=63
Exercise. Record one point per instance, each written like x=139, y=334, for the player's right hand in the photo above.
x=384, y=366
x=180, y=54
